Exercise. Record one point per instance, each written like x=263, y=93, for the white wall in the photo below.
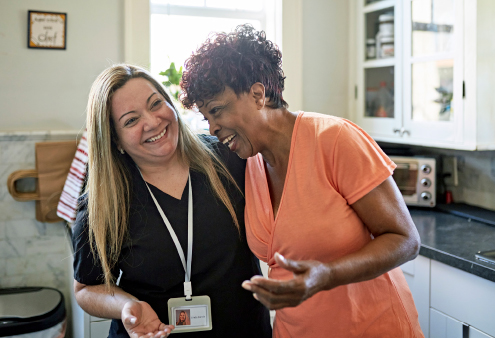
x=47, y=89
x=42, y=89
x=325, y=56
x=315, y=55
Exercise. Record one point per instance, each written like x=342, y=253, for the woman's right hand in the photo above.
x=140, y=320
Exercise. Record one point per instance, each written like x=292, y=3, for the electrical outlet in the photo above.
x=449, y=167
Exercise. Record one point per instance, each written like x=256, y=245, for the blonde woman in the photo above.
x=144, y=165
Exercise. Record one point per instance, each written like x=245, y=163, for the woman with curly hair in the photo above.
x=158, y=195
x=321, y=206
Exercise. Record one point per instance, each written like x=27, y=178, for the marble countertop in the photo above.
x=455, y=240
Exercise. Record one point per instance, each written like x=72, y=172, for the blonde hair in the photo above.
x=109, y=181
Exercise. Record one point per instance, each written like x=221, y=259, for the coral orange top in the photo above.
x=332, y=164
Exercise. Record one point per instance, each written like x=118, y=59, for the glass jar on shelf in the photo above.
x=387, y=46
x=370, y=49
x=385, y=35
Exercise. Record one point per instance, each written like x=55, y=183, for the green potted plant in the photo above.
x=173, y=80
x=194, y=120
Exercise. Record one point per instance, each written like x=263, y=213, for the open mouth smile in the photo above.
x=157, y=137
x=228, y=141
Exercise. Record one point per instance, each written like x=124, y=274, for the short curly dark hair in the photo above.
x=237, y=60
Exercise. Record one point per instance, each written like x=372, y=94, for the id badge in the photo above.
x=190, y=315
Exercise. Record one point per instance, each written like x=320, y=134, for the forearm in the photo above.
x=97, y=301
x=382, y=254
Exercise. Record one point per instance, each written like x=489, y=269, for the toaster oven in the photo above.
x=416, y=179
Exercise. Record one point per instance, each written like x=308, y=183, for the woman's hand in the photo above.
x=140, y=320
x=310, y=277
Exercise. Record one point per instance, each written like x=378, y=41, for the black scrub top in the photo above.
x=151, y=267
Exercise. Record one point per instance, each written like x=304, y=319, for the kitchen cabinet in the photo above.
x=443, y=326
x=417, y=274
x=432, y=87
x=86, y=326
x=92, y=327
x=463, y=296
x=264, y=270
x=450, y=302
x=473, y=333
x=97, y=327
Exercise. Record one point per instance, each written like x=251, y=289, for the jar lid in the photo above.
x=386, y=17
x=386, y=39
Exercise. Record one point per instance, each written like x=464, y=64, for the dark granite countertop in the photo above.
x=455, y=240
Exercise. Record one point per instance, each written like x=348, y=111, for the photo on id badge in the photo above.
x=189, y=318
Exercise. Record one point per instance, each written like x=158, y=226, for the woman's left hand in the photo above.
x=310, y=277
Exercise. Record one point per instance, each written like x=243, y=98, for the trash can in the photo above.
x=32, y=312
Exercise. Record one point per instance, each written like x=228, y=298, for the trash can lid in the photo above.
x=27, y=302
x=30, y=309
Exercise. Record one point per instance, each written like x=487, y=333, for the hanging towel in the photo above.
x=67, y=205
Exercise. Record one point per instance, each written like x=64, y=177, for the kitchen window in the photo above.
x=178, y=27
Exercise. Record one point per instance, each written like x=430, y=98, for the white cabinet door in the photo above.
x=264, y=271
x=443, y=326
x=100, y=329
x=473, y=333
x=417, y=274
x=378, y=106
x=433, y=71
x=438, y=78
x=463, y=296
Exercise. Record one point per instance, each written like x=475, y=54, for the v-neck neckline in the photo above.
x=274, y=218
x=182, y=197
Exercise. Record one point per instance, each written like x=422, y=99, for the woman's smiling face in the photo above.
x=145, y=123
x=232, y=119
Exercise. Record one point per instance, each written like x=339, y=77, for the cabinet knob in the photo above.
x=402, y=131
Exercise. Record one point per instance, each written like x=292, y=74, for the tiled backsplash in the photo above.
x=31, y=253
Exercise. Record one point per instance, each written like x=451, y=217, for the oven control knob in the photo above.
x=425, y=168
x=425, y=183
x=425, y=196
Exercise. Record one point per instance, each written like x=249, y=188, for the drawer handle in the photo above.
x=402, y=131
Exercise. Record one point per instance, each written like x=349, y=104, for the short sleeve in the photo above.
x=86, y=269
x=358, y=164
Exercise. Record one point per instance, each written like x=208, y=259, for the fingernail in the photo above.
x=255, y=296
x=246, y=286
x=132, y=320
x=281, y=257
x=255, y=278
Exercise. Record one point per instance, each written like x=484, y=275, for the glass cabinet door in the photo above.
x=433, y=67
x=378, y=76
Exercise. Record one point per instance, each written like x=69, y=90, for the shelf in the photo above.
x=386, y=62
x=432, y=57
x=378, y=6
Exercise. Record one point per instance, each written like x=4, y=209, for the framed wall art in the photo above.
x=47, y=30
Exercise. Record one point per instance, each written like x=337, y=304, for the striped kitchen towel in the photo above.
x=67, y=205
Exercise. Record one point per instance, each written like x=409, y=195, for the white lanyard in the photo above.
x=187, y=283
